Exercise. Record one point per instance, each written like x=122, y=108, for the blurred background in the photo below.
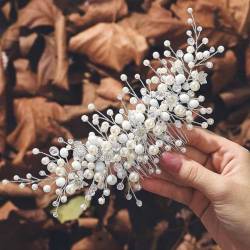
x=58, y=56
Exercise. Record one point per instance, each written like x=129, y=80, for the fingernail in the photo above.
x=171, y=162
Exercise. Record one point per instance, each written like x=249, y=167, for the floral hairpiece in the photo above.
x=126, y=146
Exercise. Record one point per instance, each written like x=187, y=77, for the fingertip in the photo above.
x=171, y=162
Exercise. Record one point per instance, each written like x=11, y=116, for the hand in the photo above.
x=213, y=179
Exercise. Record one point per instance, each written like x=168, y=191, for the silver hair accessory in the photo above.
x=126, y=146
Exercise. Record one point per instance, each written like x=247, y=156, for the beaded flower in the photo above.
x=126, y=146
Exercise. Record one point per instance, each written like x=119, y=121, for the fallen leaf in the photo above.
x=38, y=13
x=71, y=210
x=6, y=209
x=216, y=22
x=109, y=88
x=224, y=71
x=36, y=123
x=114, y=48
x=99, y=11
x=100, y=240
x=26, y=42
x=155, y=24
x=26, y=80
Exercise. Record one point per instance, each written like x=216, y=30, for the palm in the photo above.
x=210, y=194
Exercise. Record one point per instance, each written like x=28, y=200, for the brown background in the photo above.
x=64, y=54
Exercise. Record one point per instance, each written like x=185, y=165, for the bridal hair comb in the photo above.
x=126, y=146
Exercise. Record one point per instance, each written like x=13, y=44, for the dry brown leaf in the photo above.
x=114, y=48
x=38, y=13
x=2, y=105
x=90, y=223
x=26, y=80
x=6, y=209
x=53, y=66
x=109, y=88
x=26, y=42
x=224, y=71
x=217, y=24
x=101, y=240
x=155, y=24
x=96, y=11
x=36, y=123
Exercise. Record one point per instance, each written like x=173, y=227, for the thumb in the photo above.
x=191, y=173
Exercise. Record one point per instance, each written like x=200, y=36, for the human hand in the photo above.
x=213, y=179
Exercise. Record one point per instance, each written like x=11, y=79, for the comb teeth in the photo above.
x=125, y=147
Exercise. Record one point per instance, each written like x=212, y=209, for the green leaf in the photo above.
x=71, y=210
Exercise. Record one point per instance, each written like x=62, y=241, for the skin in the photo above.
x=213, y=179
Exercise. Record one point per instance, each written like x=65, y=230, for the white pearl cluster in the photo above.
x=127, y=145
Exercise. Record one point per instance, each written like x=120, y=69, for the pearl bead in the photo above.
x=194, y=86
x=60, y=171
x=106, y=192
x=122, y=138
x=188, y=57
x=111, y=180
x=155, y=80
x=139, y=149
x=190, y=10
x=119, y=119
x=193, y=104
x=45, y=160
x=60, y=182
x=98, y=177
x=35, y=151
x=165, y=116
x=180, y=78
x=184, y=98
x=101, y=200
x=88, y=174
x=64, y=199
x=199, y=56
x=149, y=123
x=139, y=117
x=220, y=49
x=180, y=110
x=134, y=177
x=70, y=189
x=146, y=62
x=123, y=78
x=46, y=188
x=190, y=49
x=115, y=130
x=64, y=152
x=167, y=43
x=90, y=157
x=76, y=165
x=140, y=107
x=91, y=107
x=126, y=125
x=153, y=150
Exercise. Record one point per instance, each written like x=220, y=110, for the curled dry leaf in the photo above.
x=2, y=105
x=109, y=88
x=217, y=24
x=155, y=24
x=101, y=240
x=224, y=71
x=26, y=42
x=6, y=209
x=36, y=123
x=110, y=44
x=53, y=66
x=26, y=80
x=38, y=13
x=99, y=11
